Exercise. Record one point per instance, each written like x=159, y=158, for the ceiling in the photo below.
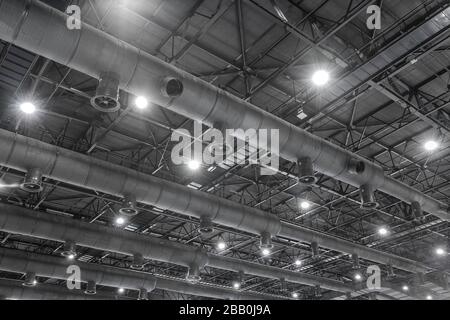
x=389, y=94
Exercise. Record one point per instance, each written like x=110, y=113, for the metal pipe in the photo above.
x=19, y=152
x=41, y=29
x=43, y=225
x=17, y=261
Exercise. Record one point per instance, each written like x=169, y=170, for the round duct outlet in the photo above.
x=171, y=87
x=307, y=179
x=33, y=181
x=106, y=97
x=369, y=205
x=31, y=187
x=128, y=211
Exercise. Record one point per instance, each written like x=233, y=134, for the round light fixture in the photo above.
x=120, y=221
x=121, y=290
x=298, y=262
x=305, y=205
x=265, y=251
x=294, y=295
x=440, y=251
x=193, y=165
x=382, y=231
x=221, y=245
x=429, y=297
x=71, y=256
x=28, y=108
x=141, y=102
x=358, y=277
x=236, y=285
x=431, y=145
x=405, y=288
x=320, y=77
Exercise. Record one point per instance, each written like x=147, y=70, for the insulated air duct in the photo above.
x=41, y=29
x=17, y=261
x=57, y=228
x=19, y=152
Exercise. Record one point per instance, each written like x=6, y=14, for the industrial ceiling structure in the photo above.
x=88, y=111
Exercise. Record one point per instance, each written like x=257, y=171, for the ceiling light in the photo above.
x=298, y=262
x=28, y=107
x=193, y=165
x=221, y=245
x=305, y=205
x=121, y=290
x=71, y=256
x=120, y=221
x=429, y=297
x=265, y=251
x=431, y=145
x=141, y=102
x=440, y=251
x=236, y=285
x=320, y=77
x=405, y=288
x=358, y=277
x=383, y=231
x=295, y=295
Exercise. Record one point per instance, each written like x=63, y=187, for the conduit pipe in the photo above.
x=17, y=261
x=41, y=29
x=42, y=225
x=20, y=152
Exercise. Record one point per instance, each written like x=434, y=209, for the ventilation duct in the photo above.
x=46, y=226
x=30, y=279
x=265, y=242
x=87, y=172
x=367, y=197
x=206, y=227
x=138, y=262
x=129, y=206
x=43, y=30
x=193, y=274
x=69, y=249
x=143, y=294
x=52, y=267
x=306, y=171
x=91, y=288
x=106, y=97
x=33, y=181
x=315, y=250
